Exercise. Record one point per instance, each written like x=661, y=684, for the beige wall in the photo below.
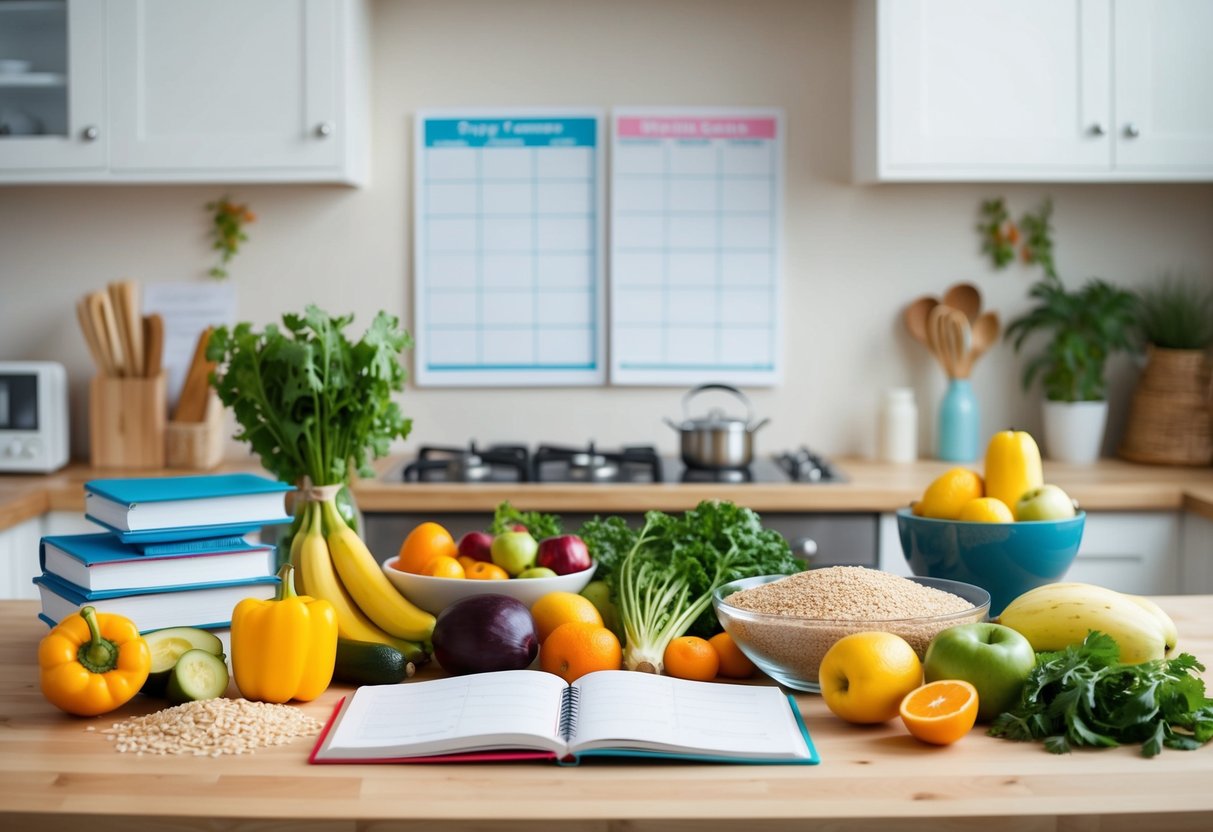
x=854, y=255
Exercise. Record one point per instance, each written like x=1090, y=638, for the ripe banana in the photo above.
x=1054, y=616
x=322, y=582
x=296, y=560
x=369, y=587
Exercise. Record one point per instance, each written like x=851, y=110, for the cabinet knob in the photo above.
x=90, y=133
x=325, y=129
x=1132, y=131
x=1096, y=129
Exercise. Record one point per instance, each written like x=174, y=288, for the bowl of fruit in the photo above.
x=434, y=571
x=1006, y=532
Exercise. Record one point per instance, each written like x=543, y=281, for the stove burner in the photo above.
x=805, y=466
x=552, y=463
x=723, y=475
x=470, y=464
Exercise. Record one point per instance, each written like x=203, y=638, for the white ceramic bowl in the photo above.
x=436, y=594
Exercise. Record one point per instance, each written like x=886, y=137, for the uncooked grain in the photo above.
x=212, y=727
x=792, y=622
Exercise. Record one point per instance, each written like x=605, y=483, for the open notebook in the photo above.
x=525, y=714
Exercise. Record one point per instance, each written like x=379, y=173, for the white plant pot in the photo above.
x=1074, y=430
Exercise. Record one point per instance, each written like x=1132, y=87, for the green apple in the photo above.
x=992, y=658
x=514, y=551
x=599, y=594
x=536, y=572
x=1048, y=502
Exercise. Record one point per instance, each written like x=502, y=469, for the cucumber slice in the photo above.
x=167, y=646
x=198, y=674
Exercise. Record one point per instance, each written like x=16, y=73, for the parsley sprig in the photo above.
x=1085, y=696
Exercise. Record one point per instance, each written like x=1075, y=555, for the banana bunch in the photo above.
x=332, y=562
x=1054, y=616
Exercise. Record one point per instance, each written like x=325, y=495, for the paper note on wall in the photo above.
x=508, y=248
x=696, y=246
x=187, y=309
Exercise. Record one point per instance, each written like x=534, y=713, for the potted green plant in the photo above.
x=1085, y=327
x=1169, y=418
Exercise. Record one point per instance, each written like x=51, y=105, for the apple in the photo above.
x=599, y=594
x=536, y=572
x=564, y=554
x=1048, y=502
x=514, y=551
x=477, y=546
x=991, y=657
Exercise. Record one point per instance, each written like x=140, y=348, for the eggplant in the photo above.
x=483, y=633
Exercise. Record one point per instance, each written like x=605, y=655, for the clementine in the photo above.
x=576, y=648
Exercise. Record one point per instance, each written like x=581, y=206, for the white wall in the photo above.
x=854, y=255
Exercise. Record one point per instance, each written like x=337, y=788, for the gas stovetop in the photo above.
x=633, y=464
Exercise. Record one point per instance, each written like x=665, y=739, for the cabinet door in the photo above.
x=1135, y=552
x=206, y=85
x=52, y=117
x=1164, y=85
x=994, y=90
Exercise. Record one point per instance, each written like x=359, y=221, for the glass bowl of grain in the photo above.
x=786, y=623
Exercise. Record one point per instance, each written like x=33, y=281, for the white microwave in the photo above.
x=33, y=416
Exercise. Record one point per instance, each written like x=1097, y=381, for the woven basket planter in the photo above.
x=1171, y=417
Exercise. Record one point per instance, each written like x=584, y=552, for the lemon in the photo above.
x=986, y=510
x=947, y=495
x=864, y=676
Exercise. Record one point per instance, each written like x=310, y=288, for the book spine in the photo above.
x=570, y=703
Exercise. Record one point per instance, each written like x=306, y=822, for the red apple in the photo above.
x=476, y=545
x=564, y=554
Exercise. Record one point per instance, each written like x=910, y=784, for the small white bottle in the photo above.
x=897, y=439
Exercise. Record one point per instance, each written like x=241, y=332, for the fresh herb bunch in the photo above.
x=227, y=231
x=1177, y=314
x=539, y=525
x=662, y=576
x=1084, y=695
x=310, y=402
x=1033, y=235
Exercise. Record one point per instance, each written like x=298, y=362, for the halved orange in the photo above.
x=940, y=712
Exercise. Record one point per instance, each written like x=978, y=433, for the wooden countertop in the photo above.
x=1110, y=485
x=55, y=774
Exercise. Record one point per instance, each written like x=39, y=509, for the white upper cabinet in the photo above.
x=212, y=91
x=1033, y=90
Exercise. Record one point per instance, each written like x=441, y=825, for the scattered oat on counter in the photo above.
x=212, y=727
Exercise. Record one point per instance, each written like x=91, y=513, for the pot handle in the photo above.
x=761, y=422
x=670, y=422
x=686, y=400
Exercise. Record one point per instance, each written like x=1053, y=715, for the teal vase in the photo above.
x=959, y=423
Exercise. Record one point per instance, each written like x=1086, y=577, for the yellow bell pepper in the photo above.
x=92, y=663
x=1012, y=466
x=284, y=648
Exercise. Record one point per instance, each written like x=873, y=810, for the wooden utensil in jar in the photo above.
x=191, y=406
x=965, y=298
x=153, y=344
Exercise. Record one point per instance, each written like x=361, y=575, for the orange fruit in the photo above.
x=986, y=510
x=558, y=608
x=424, y=543
x=444, y=567
x=940, y=712
x=733, y=663
x=484, y=571
x=864, y=676
x=576, y=648
x=466, y=561
x=691, y=657
x=946, y=496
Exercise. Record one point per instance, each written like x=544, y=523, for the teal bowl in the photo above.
x=1005, y=559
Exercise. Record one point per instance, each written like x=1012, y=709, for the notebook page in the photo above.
x=517, y=708
x=621, y=709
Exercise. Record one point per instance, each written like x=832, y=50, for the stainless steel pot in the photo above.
x=717, y=441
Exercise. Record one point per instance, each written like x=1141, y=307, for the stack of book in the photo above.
x=175, y=553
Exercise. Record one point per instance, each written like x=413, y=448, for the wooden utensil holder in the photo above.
x=127, y=419
x=197, y=445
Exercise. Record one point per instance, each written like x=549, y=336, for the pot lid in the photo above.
x=716, y=419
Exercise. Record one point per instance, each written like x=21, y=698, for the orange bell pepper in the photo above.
x=284, y=648
x=92, y=663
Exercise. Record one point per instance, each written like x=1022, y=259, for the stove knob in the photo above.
x=805, y=549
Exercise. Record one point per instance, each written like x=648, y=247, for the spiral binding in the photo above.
x=569, y=705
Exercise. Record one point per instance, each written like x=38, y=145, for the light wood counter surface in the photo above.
x=56, y=774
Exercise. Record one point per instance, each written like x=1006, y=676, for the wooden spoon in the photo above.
x=916, y=316
x=985, y=335
x=937, y=336
x=966, y=298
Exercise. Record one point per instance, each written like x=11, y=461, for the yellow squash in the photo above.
x=284, y=648
x=92, y=663
x=1012, y=466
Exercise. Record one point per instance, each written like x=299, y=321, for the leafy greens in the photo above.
x=505, y=517
x=662, y=576
x=309, y=402
x=1084, y=695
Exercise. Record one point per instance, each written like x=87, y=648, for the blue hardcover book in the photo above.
x=181, y=547
x=154, y=608
x=212, y=505
x=101, y=562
